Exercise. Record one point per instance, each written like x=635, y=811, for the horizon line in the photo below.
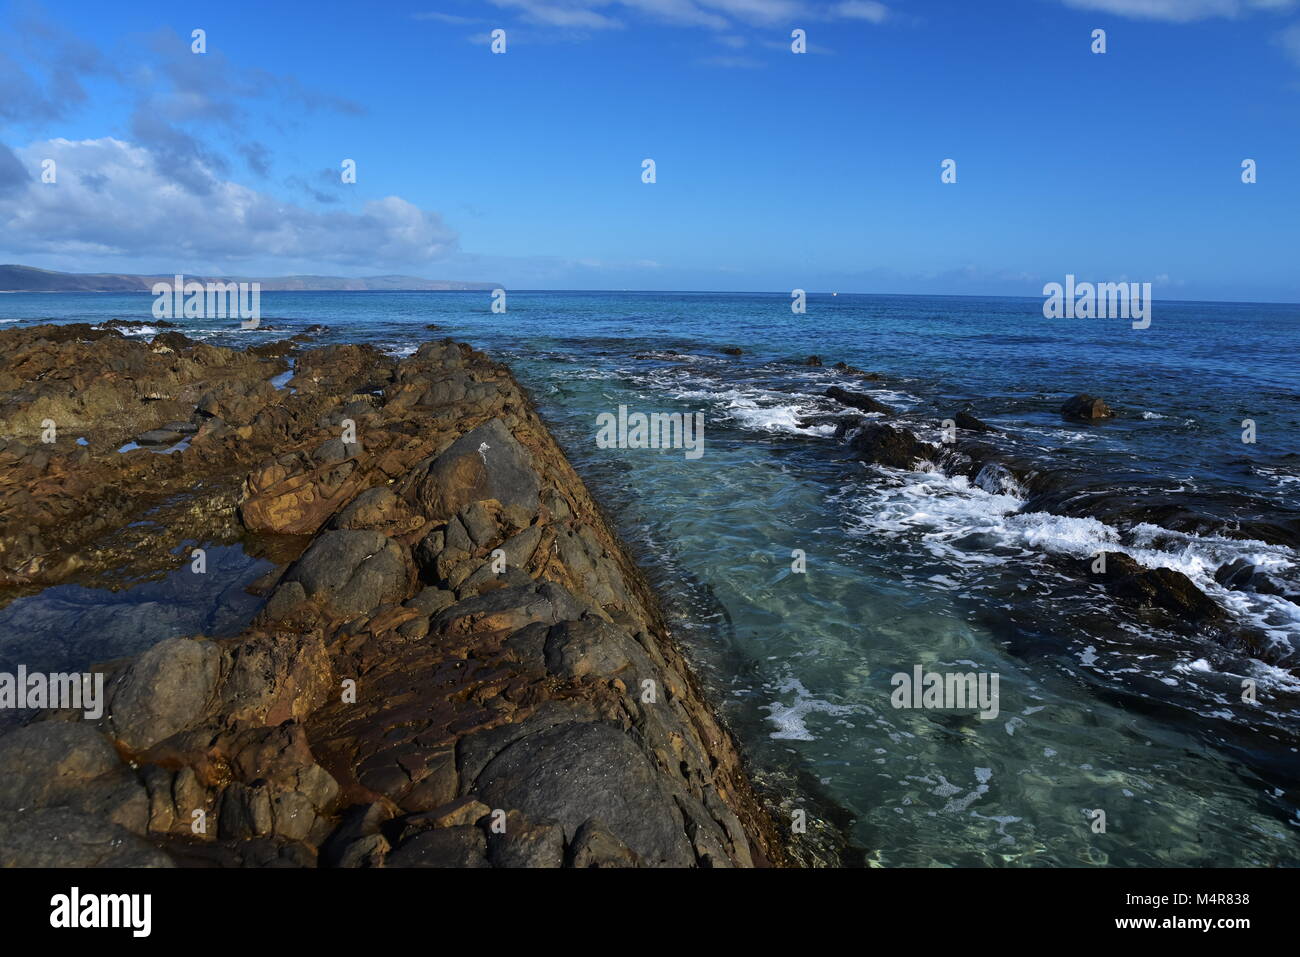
x=678, y=292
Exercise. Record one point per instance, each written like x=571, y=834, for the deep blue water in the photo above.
x=1099, y=709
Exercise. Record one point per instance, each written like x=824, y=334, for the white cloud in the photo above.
x=869, y=10
x=561, y=14
x=110, y=200
x=1179, y=11
x=758, y=11
x=713, y=14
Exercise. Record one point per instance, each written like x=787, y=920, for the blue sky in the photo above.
x=774, y=170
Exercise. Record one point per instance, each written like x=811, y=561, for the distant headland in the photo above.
x=30, y=279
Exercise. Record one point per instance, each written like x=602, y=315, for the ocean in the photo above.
x=1101, y=708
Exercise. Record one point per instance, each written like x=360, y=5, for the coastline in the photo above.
x=456, y=663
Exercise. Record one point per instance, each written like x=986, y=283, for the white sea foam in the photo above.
x=942, y=511
x=789, y=719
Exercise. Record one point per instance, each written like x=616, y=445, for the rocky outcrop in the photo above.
x=71, y=397
x=460, y=667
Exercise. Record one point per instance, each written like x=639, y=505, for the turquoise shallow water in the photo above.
x=1098, y=708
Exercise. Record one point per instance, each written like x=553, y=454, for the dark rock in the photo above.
x=46, y=762
x=813, y=361
x=858, y=400
x=854, y=370
x=732, y=351
x=174, y=341
x=595, y=846
x=885, y=445
x=442, y=847
x=575, y=649
x=333, y=451
x=486, y=463
x=1085, y=407
x=572, y=773
x=525, y=844
x=350, y=572
x=969, y=423
x=165, y=690
x=1162, y=588
x=1235, y=574
x=62, y=837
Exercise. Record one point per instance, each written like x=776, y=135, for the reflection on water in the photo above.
x=70, y=627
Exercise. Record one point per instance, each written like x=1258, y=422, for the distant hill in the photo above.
x=30, y=279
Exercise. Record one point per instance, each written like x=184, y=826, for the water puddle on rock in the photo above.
x=71, y=627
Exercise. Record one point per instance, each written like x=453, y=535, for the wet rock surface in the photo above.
x=457, y=665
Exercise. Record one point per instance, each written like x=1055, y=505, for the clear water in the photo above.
x=1099, y=710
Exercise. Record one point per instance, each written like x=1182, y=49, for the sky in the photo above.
x=774, y=170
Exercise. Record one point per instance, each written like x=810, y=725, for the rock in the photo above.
x=368, y=851
x=442, y=847
x=858, y=400
x=1241, y=575
x=349, y=572
x=1235, y=574
x=359, y=825
x=595, y=846
x=158, y=437
x=571, y=773
x=485, y=463
x=456, y=813
x=430, y=601
x=732, y=351
x=1162, y=588
x=373, y=508
x=61, y=837
x=575, y=649
x=508, y=609
x=174, y=341
x=165, y=690
x=885, y=445
x=532, y=680
x=44, y=763
x=854, y=370
x=334, y=451
x=525, y=844
x=1085, y=407
x=969, y=423
x=414, y=629
x=813, y=361
x=272, y=678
